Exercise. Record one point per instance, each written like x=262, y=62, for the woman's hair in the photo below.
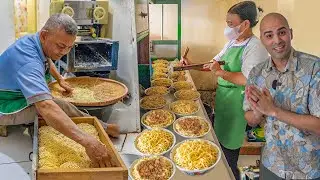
x=247, y=10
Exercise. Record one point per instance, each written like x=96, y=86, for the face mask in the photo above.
x=232, y=33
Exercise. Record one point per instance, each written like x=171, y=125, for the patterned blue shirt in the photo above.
x=290, y=152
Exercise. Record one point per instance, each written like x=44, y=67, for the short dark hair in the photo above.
x=247, y=10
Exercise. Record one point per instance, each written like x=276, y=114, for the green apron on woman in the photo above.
x=229, y=122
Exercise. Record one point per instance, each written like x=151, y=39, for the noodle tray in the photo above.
x=89, y=91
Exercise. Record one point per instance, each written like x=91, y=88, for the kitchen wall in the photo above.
x=7, y=24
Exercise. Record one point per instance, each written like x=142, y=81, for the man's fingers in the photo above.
x=95, y=164
x=266, y=92
x=253, y=103
x=107, y=160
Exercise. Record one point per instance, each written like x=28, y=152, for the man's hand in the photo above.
x=98, y=153
x=249, y=97
x=66, y=86
x=113, y=130
x=261, y=102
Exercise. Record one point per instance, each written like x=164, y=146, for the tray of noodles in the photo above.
x=153, y=167
x=90, y=91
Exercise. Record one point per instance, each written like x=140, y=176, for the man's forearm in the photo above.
x=253, y=119
x=56, y=118
x=303, y=122
x=53, y=71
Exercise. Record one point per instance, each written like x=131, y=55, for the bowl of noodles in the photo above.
x=184, y=107
x=195, y=156
x=178, y=76
x=158, y=118
x=160, y=69
x=157, y=90
x=191, y=127
x=187, y=94
x=152, y=167
x=159, y=65
x=157, y=75
x=162, y=82
x=179, y=85
x=156, y=141
x=152, y=102
x=161, y=61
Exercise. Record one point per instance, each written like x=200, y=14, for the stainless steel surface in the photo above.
x=221, y=171
x=35, y=150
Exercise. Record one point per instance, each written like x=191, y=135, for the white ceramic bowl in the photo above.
x=149, y=127
x=159, y=79
x=137, y=160
x=175, y=94
x=189, y=114
x=160, y=107
x=153, y=87
x=192, y=137
x=162, y=153
x=197, y=172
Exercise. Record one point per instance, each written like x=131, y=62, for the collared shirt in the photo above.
x=290, y=152
x=22, y=68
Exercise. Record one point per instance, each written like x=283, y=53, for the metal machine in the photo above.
x=92, y=51
x=95, y=55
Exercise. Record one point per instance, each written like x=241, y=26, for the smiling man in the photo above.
x=24, y=92
x=285, y=91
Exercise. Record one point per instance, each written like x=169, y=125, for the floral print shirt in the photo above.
x=289, y=152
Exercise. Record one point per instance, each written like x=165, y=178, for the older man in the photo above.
x=286, y=92
x=24, y=91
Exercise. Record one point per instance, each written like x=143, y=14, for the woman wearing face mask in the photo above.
x=243, y=51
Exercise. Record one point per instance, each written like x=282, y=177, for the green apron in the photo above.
x=229, y=122
x=11, y=102
x=14, y=101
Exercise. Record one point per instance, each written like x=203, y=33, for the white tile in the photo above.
x=16, y=147
x=16, y=171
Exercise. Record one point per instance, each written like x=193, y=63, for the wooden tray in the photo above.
x=113, y=173
x=96, y=84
